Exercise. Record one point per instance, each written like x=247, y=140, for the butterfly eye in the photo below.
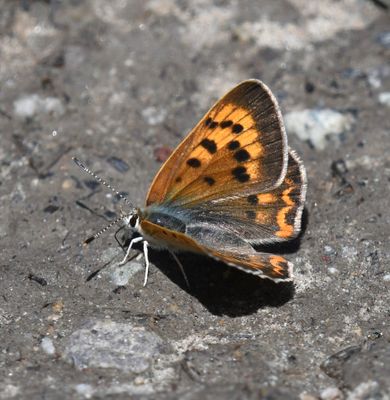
x=133, y=220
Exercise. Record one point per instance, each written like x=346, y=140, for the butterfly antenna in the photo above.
x=103, y=182
x=107, y=227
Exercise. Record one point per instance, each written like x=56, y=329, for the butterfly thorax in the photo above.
x=164, y=216
x=164, y=226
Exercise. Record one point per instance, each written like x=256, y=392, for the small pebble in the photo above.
x=384, y=98
x=328, y=250
x=29, y=106
x=368, y=390
x=386, y=278
x=67, y=184
x=121, y=274
x=331, y=393
x=154, y=116
x=57, y=306
x=47, y=346
x=384, y=39
x=349, y=252
x=316, y=125
x=9, y=391
x=85, y=390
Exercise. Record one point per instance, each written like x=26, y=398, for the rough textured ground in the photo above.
x=120, y=83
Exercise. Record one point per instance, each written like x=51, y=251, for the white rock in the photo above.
x=349, y=252
x=317, y=124
x=366, y=390
x=121, y=274
x=28, y=106
x=331, y=393
x=47, y=346
x=9, y=391
x=328, y=250
x=109, y=344
x=85, y=390
x=384, y=98
x=384, y=37
x=153, y=115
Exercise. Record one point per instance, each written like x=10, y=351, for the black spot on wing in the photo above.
x=242, y=155
x=209, y=145
x=237, y=128
x=240, y=174
x=235, y=144
x=226, y=124
x=209, y=180
x=252, y=199
x=193, y=162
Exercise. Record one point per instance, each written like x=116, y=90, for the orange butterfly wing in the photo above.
x=239, y=146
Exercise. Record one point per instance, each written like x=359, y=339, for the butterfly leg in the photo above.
x=146, y=261
x=116, y=238
x=135, y=240
x=180, y=266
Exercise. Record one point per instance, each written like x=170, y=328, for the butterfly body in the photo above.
x=232, y=184
x=178, y=231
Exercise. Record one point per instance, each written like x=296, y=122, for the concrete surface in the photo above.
x=118, y=84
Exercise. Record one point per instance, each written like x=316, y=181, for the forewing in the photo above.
x=240, y=146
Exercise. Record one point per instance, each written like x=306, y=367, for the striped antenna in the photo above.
x=103, y=182
x=96, y=235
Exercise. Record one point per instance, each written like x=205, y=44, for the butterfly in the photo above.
x=231, y=185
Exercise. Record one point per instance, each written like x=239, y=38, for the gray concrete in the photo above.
x=118, y=84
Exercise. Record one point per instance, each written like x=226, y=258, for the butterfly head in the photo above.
x=132, y=220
